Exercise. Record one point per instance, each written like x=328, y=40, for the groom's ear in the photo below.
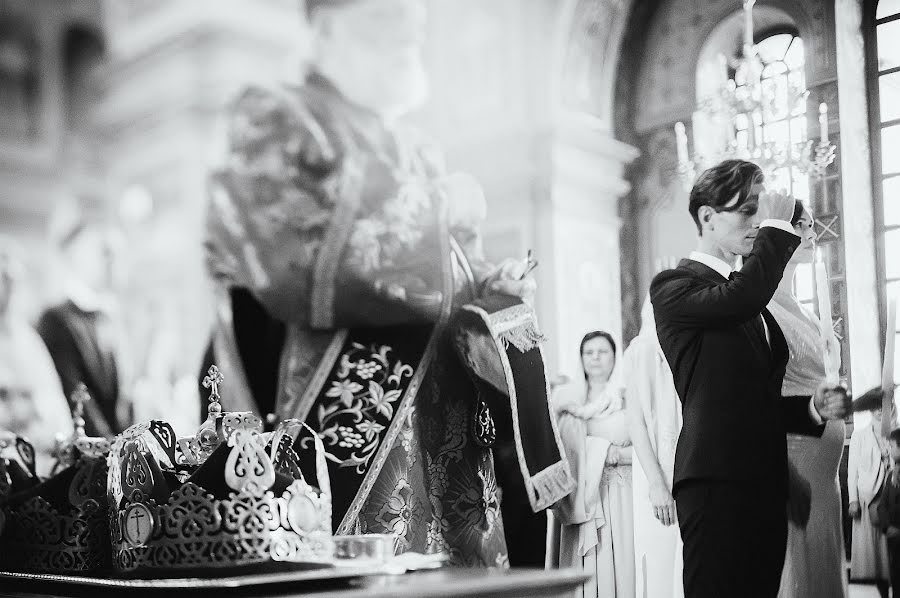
x=704, y=216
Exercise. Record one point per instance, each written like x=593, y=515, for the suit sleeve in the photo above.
x=63, y=351
x=796, y=417
x=678, y=298
x=883, y=509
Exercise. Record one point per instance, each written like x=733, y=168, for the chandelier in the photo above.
x=747, y=99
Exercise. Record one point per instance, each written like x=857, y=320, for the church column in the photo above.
x=858, y=218
x=579, y=237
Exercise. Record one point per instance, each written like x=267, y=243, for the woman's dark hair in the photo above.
x=799, y=208
x=591, y=336
x=716, y=186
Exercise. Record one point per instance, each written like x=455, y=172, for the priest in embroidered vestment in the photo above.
x=340, y=248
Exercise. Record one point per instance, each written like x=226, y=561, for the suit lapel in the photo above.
x=778, y=344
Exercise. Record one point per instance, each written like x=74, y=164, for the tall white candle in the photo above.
x=723, y=67
x=823, y=121
x=681, y=143
x=748, y=24
x=823, y=292
x=887, y=368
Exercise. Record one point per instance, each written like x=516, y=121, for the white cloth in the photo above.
x=33, y=405
x=650, y=387
x=865, y=474
x=596, y=519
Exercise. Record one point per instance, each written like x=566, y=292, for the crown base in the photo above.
x=40, y=540
x=276, y=551
x=195, y=531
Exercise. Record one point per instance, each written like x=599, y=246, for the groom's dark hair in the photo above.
x=716, y=186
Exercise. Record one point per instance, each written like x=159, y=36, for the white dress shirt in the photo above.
x=725, y=269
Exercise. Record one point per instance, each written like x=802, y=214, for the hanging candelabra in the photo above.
x=746, y=99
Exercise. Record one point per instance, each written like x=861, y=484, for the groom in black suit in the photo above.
x=728, y=358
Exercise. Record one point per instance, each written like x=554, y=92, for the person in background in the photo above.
x=654, y=422
x=597, y=532
x=82, y=332
x=889, y=511
x=868, y=465
x=32, y=403
x=814, y=565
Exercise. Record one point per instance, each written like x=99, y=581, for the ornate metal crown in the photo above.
x=60, y=525
x=229, y=496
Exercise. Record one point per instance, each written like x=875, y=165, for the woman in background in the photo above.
x=596, y=519
x=32, y=403
x=814, y=564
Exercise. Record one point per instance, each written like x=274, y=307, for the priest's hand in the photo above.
x=831, y=401
x=508, y=280
x=854, y=510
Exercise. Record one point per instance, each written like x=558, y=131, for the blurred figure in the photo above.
x=889, y=511
x=82, y=332
x=339, y=248
x=161, y=389
x=597, y=531
x=654, y=422
x=869, y=464
x=32, y=403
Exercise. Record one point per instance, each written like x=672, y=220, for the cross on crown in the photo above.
x=80, y=396
x=212, y=380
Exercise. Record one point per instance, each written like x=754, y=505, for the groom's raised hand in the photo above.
x=831, y=401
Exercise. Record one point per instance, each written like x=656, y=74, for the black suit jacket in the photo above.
x=727, y=377
x=80, y=356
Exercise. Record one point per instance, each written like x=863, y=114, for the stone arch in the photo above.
x=677, y=35
x=590, y=35
x=20, y=78
x=83, y=52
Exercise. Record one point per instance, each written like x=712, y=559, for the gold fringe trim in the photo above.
x=523, y=337
x=547, y=487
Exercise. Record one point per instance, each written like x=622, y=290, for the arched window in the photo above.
x=781, y=124
x=882, y=35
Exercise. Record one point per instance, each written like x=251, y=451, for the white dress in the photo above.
x=596, y=519
x=814, y=563
x=648, y=383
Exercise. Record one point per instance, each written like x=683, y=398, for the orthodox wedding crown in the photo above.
x=228, y=496
x=61, y=524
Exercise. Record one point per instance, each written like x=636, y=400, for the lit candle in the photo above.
x=823, y=121
x=823, y=293
x=748, y=25
x=681, y=143
x=887, y=369
x=723, y=67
